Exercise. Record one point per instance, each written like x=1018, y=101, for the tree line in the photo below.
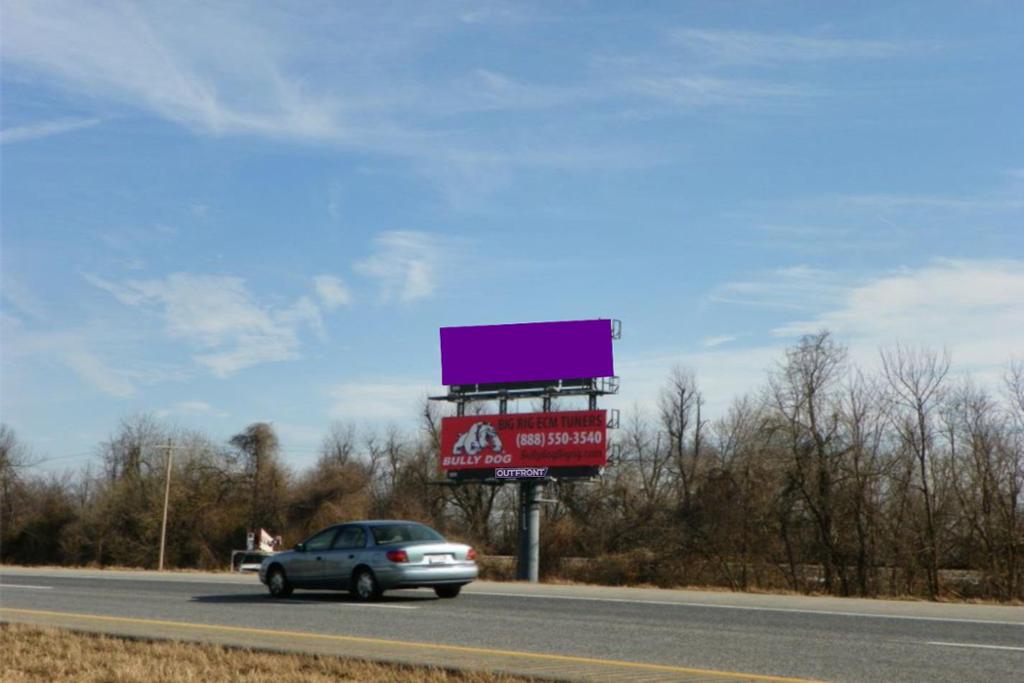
x=826, y=479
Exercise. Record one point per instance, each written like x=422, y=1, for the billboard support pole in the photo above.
x=522, y=557
x=528, y=566
x=522, y=571
x=533, y=540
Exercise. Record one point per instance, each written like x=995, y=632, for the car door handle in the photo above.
x=318, y=558
x=351, y=557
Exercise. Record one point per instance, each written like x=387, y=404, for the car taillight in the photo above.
x=470, y=554
x=397, y=555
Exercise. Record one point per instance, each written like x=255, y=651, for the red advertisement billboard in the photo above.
x=531, y=440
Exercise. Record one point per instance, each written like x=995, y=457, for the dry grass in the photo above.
x=40, y=655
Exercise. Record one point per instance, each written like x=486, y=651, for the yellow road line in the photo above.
x=569, y=659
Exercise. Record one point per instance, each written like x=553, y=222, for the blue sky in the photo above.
x=265, y=211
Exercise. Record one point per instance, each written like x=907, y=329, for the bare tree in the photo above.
x=131, y=452
x=916, y=377
x=736, y=526
x=1013, y=464
x=804, y=393
x=338, y=486
x=340, y=445
x=680, y=405
x=14, y=461
x=976, y=445
x=863, y=467
x=645, y=450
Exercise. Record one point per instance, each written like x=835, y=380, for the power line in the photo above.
x=93, y=454
x=61, y=457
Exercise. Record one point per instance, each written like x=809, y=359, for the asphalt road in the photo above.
x=559, y=631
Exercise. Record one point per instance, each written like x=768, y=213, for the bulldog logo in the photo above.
x=479, y=437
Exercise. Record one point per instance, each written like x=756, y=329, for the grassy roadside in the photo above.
x=39, y=655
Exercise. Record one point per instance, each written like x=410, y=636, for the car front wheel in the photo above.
x=447, y=591
x=365, y=587
x=277, y=583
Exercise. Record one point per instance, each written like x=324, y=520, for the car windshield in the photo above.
x=386, y=534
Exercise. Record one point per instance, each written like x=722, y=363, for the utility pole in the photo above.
x=167, y=496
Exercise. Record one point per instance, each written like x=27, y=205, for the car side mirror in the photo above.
x=301, y=547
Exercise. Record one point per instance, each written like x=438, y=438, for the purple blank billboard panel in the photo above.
x=526, y=352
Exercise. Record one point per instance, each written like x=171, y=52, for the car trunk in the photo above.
x=435, y=553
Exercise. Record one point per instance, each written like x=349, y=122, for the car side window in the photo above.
x=322, y=541
x=350, y=537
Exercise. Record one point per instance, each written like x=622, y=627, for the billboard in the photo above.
x=526, y=352
x=571, y=439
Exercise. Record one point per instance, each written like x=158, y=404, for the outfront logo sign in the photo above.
x=526, y=440
x=521, y=472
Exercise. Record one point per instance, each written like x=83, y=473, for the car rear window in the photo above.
x=386, y=534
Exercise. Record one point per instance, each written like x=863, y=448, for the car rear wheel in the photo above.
x=277, y=583
x=365, y=587
x=447, y=591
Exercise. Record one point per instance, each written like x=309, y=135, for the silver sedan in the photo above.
x=367, y=558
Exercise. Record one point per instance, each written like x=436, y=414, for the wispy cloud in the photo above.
x=100, y=356
x=236, y=70
x=227, y=72
x=23, y=299
x=484, y=90
x=332, y=291
x=45, y=129
x=501, y=12
x=795, y=288
x=95, y=371
x=215, y=74
x=699, y=90
x=758, y=48
x=190, y=409
x=218, y=315
x=405, y=265
x=974, y=307
x=833, y=223
x=939, y=203
x=379, y=402
x=710, y=68
x=711, y=342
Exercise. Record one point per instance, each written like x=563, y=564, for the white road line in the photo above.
x=286, y=603
x=5, y=586
x=978, y=645
x=753, y=608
